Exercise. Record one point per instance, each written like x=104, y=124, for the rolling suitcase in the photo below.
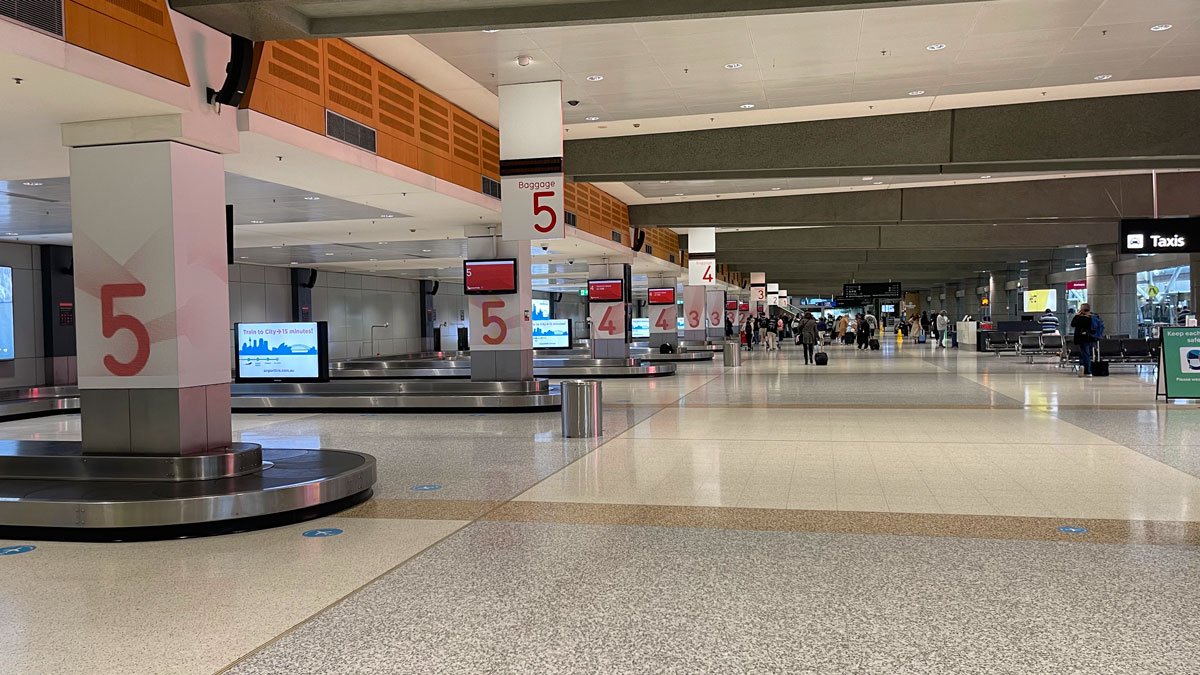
x=821, y=359
x=1100, y=369
x=848, y=338
x=874, y=345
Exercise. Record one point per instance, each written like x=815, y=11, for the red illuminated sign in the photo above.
x=1080, y=285
x=744, y=307
x=661, y=296
x=731, y=305
x=490, y=277
x=606, y=290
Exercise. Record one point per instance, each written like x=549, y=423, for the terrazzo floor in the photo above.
x=894, y=512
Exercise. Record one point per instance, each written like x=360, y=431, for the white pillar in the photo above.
x=152, y=299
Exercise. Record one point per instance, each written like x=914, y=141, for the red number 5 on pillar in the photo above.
x=112, y=323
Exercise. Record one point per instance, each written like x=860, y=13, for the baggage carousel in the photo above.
x=454, y=365
x=52, y=490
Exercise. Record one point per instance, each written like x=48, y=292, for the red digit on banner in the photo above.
x=539, y=208
x=708, y=275
x=111, y=322
x=490, y=319
x=716, y=318
x=694, y=319
x=607, y=325
x=664, y=321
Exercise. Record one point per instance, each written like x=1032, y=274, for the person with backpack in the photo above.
x=772, y=335
x=806, y=335
x=1084, y=336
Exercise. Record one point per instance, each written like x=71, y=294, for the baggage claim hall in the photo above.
x=599, y=337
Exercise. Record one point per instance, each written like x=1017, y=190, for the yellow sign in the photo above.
x=984, y=301
x=1040, y=300
x=1153, y=291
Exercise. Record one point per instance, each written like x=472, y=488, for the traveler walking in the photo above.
x=843, y=325
x=925, y=323
x=1049, y=323
x=942, y=322
x=1083, y=335
x=728, y=326
x=872, y=325
x=860, y=331
x=806, y=335
x=748, y=334
x=772, y=335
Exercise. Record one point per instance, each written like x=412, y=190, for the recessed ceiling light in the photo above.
x=878, y=182
x=733, y=66
x=775, y=188
x=372, y=259
x=594, y=78
x=328, y=254
x=678, y=194
x=916, y=92
x=256, y=222
x=936, y=47
x=311, y=198
x=243, y=257
x=426, y=250
x=276, y=247
x=381, y=242
x=986, y=176
x=868, y=177
x=1158, y=28
x=491, y=30
x=592, y=118
x=12, y=234
x=747, y=106
x=1102, y=77
x=293, y=263
x=664, y=181
x=387, y=215
x=33, y=183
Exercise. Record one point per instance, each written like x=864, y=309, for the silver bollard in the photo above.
x=733, y=354
x=582, y=409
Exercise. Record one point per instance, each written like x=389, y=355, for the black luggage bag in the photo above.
x=1100, y=369
x=821, y=359
x=874, y=344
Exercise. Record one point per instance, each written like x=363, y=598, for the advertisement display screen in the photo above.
x=541, y=309
x=1041, y=300
x=7, y=348
x=606, y=290
x=641, y=328
x=888, y=309
x=678, y=323
x=660, y=296
x=551, y=333
x=281, y=351
x=490, y=277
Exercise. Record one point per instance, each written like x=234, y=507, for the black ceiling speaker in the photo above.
x=639, y=239
x=433, y=289
x=229, y=234
x=557, y=297
x=312, y=279
x=237, y=73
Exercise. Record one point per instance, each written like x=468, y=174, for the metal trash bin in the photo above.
x=582, y=409
x=733, y=354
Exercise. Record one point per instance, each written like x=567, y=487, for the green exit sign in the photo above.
x=583, y=292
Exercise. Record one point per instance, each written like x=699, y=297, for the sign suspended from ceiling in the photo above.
x=1160, y=235
x=890, y=289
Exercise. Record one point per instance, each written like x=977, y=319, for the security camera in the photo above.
x=545, y=249
x=572, y=103
x=571, y=261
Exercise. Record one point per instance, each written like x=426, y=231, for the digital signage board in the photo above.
x=490, y=277
x=606, y=290
x=552, y=334
x=283, y=352
x=7, y=345
x=641, y=328
x=660, y=296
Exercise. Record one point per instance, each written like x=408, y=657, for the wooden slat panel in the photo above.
x=294, y=67
x=135, y=32
x=285, y=105
x=433, y=124
x=489, y=151
x=349, y=82
x=397, y=96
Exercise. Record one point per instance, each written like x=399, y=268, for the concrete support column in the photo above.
x=500, y=327
x=1194, y=268
x=610, y=319
x=152, y=298
x=970, y=300
x=1000, y=309
x=1103, y=294
x=663, y=317
x=952, y=302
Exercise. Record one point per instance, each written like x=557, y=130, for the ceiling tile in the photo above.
x=1152, y=12
x=1010, y=17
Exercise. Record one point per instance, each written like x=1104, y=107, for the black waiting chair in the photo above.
x=1137, y=351
x=1110, y=350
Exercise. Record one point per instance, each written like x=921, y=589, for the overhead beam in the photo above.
x=1115, y=132
x=902, y=238
x=258, y=19
x=1098, y=199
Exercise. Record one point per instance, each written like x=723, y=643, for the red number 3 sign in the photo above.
x=111, y=323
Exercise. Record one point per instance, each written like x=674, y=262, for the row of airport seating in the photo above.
x=1115, y=349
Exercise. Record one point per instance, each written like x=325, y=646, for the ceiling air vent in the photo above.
x=349, y=131
x=44, y=15
x=490, y=187
x=570, y=218
x=615, y=236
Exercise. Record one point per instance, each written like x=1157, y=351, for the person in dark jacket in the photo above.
x=1081, y=330
x=806, y=333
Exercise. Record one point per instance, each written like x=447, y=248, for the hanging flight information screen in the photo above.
x=490, y=277
x=660, y=296
x=282, y=351
x=606, y=290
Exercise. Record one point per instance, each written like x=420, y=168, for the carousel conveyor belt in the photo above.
x=333, y=396
x=385, y=368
